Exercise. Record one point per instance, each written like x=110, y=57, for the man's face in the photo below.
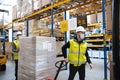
x=79, y=34
x=19, y=35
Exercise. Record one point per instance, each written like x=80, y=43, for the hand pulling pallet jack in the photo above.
x=59, y=64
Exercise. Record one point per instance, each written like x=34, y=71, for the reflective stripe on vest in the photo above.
x=74, y=53
x=16, y=42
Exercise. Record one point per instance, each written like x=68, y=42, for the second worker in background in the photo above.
x=16, y=49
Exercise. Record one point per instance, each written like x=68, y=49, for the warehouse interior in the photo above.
x=46, y=25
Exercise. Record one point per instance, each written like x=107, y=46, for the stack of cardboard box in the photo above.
x=27, y=7
x=45, y=32
x=14, y=12
x=37, y=4
x=58, y=33
x=45, y=2
x=109, y=17
x=37, y=58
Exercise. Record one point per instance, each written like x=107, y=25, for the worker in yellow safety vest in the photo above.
x=15, y=49
x=77, y=54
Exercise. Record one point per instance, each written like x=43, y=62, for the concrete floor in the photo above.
x=9, y=73
x=97, y=73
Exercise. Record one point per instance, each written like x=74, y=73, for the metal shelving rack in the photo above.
x=2, y=30
x=79, y=6
x=58, y=8
x=95, y=39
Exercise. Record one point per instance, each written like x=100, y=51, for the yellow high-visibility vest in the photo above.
x=16, y=42
x=77, y=53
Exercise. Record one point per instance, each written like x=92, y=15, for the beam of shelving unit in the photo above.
x=27, y=27
x=87, y=9
x=82, y=10
x=78, y=6
x=99, y=40
x=98, y=46
x=59, y=3
x=40, y=11
x=94, y=35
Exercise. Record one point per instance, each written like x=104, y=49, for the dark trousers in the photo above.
x=16, y=69
x=73, y=70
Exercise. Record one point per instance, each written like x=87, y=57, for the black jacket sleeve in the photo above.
x=64, y=49
x=87, y=56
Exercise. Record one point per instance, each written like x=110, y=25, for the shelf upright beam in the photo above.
x=65, y=32
x=3, y=34
x=66, y=17
x=104, y=48
x=27, y=27
x=12, y=40
x=12, y=32
x=52, y=19
x=3, y=19
x=3, y=40
x=116, y=39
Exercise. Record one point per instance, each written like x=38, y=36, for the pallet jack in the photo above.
x=62, y=64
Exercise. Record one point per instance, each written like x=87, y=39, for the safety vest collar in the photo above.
x=16, y=42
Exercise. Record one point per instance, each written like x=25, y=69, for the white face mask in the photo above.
x=82, y=36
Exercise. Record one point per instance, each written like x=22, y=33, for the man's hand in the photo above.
x=66, y=60
x=91, y=66
x=18, y=49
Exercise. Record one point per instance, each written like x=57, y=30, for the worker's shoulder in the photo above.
x=72, y=39
x=15, y=40
x=84, y=42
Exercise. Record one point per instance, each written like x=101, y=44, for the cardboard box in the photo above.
x=37, y=58
x=109, y=17
x=14, y=12
x=58, y=33
x=26, y=8
x=45, y=2
x=37, y=4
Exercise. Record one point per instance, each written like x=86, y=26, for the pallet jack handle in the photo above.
x=62, y=64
